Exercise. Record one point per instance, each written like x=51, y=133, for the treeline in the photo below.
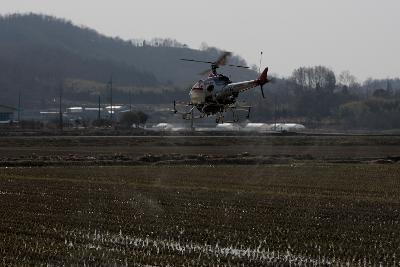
x=318, y=97
x=158, y=42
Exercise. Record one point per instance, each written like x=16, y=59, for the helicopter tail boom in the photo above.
x=263, y=79
x=243, y=86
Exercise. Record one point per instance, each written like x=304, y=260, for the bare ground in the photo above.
x=220, y=208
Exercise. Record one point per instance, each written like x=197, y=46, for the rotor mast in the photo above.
x=214, y=68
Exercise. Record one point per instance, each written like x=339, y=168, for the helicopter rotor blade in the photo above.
x=221, y=61
x=199, y=61
x=238, y=66
x=205, y=72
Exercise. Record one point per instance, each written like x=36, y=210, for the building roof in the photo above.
x=4, y=108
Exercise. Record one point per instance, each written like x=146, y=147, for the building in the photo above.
x=7, y=114
x=86, y=113
x=117, y=110
x=49, y=116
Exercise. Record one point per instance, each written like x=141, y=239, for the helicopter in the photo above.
x=217, y=94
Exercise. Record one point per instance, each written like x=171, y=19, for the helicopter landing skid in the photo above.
x=235, y=117
x=188, y=115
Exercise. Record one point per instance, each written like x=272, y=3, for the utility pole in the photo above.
x=130, y=100
x=191, y=120
x=99, y=114
x=60, y=108
x=275, y=111
x=111, y=98
x=19, y=106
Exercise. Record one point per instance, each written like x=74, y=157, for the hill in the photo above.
x=38, y=53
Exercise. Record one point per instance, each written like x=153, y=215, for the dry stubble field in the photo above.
x=312, y=210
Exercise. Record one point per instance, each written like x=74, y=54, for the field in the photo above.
x=199, y=201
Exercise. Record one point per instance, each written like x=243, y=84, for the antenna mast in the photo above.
x=259, y=68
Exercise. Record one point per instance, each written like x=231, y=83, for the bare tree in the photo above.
x=345, y=78
x=318, y=77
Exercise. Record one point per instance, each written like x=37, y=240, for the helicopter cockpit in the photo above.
x=224, y=79
x=220, y=79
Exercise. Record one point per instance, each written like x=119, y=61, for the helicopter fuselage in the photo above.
x=208, y=95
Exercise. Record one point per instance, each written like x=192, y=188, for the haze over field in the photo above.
x=358, y=35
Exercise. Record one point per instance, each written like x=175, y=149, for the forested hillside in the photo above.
x=38, y=53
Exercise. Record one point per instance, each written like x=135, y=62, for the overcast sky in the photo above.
x=362, y=36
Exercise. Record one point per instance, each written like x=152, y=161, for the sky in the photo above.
x=361, y=36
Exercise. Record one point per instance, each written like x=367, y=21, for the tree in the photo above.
x=315, y=91
x=137, y=118
x=389, y=88
x=318, y=77
x=143, y=117
x=347, y=79
x=381, y=93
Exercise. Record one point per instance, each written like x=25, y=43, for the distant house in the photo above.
x=49, y=115
x=7, y=114
x=117, y=110
x=75, y=110
x=86, y=113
